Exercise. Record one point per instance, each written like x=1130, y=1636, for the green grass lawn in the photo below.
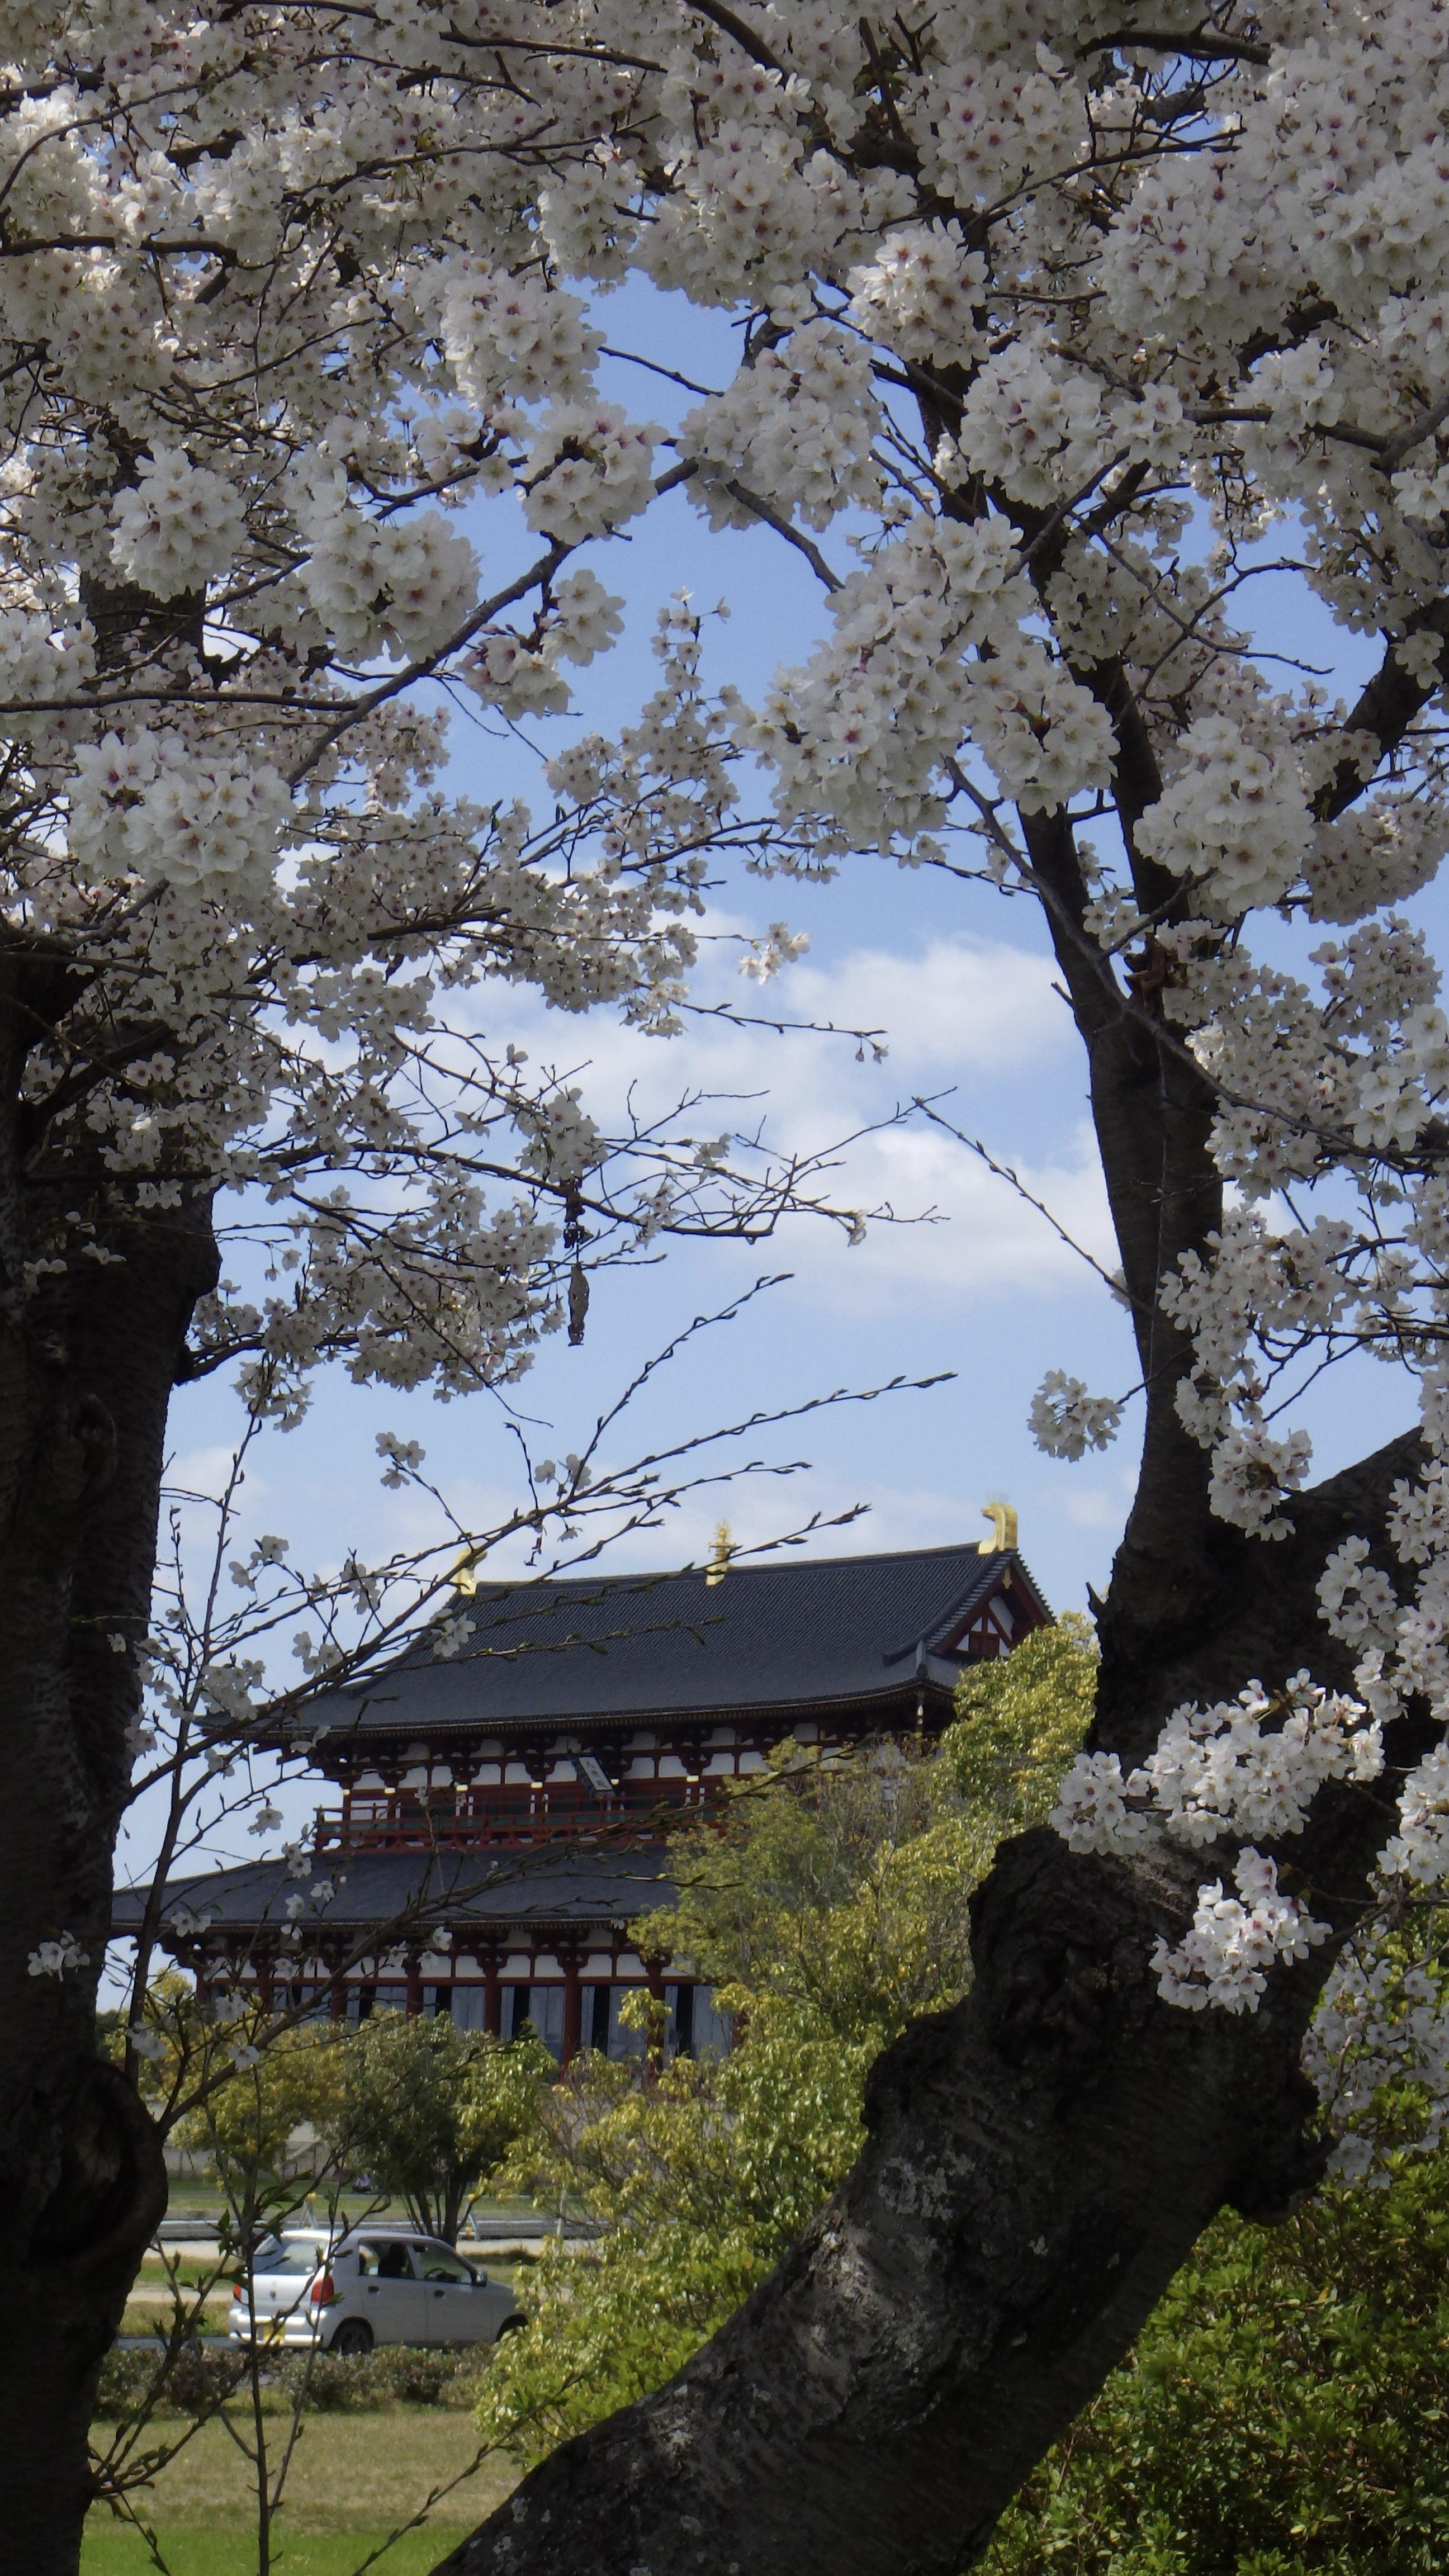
x=116, y=2552
x=353, y=2479
x=189, y=2276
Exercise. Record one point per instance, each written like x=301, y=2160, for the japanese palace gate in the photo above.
x=500, y=1818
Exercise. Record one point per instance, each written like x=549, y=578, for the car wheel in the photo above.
x=352, y=2339
x=510, y=2325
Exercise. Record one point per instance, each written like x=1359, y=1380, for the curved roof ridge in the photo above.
x=806, y=1632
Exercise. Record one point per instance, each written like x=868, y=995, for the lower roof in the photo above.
x=381, y=1890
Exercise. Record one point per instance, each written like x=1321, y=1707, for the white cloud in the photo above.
x=958, y=1005
x=1096, y=1507
x=974, y=1018
x=986, y=1239
x=946, y=1006
x=207, y=1470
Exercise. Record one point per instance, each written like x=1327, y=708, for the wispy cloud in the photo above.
x=971, y=1021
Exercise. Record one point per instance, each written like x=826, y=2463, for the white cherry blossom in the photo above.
x=1066, y=1420
x=1234, y=1941
x=177, y=525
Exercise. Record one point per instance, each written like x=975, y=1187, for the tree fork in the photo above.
x=1039, y=2162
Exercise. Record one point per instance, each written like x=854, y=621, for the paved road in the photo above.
x=184, y=2236
x=519, y=2240
x=145, y=2294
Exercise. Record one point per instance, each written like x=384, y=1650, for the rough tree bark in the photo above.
x=87, y=1361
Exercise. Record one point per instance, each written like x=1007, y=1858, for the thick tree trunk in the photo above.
x=1039, y=2162
x=87, y=1361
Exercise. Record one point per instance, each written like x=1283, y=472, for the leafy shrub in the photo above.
x=200, y=2378
x=396, y=2376
x=195, y=2380
x=1283, y=2413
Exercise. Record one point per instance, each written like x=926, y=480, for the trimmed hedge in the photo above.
x=201, y=2378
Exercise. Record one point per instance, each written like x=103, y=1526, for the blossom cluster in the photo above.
x=53, y=1958
x=1381, y=2035
x=807, y=443
x=513, y=339
x=176, y=526
x=589, y=469
x=1234, y=816
x=1218, y=1771
x=920, y=295
x=149, y=805
x=1216, y=1774
x=1066, y=1420
x=1225, y=1959
x=408, y=586
x=927, y=646
x=1419, y=1851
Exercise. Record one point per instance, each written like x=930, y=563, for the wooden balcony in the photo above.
x=518, y=1813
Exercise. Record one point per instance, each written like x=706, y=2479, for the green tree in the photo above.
x=833, y=1886
x=698, y=2177
x=429, y=2111
x=1019, y=1722
x=1283, y=2413
x=828, y=1906
x=247, y=2123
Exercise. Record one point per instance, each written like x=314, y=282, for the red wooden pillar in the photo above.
x=415, y=1988
x=492, y=1996
x=336, y=1996
x=573, y=2008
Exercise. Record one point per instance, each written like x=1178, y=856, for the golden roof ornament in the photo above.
x=1003, y=1534
x=719, y=1558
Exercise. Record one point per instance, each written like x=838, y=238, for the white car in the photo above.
x=371, y=2286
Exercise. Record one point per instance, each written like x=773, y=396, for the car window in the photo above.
x=388, y=2260
x=280, y=2256
x=441, y=2264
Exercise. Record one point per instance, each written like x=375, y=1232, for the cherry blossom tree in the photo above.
x=1060, y=328
x=255, y=1117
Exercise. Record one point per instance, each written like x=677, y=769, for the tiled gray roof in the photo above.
x=494, y=1887
x=848, y=1631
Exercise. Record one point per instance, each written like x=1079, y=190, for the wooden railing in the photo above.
x=518, y=1812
